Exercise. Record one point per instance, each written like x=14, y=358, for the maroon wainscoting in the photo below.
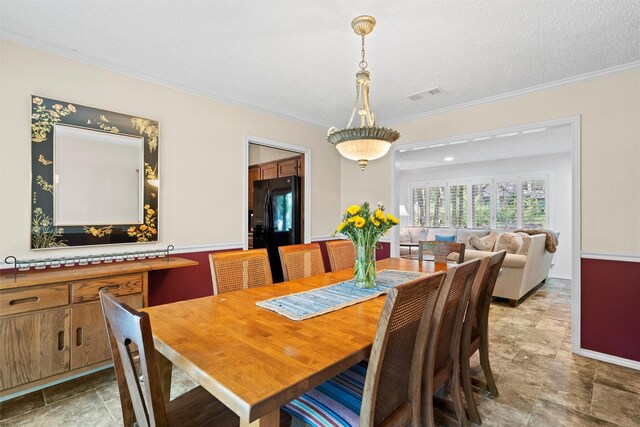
x=383, y=251
x=610, y=310
x=180, y=284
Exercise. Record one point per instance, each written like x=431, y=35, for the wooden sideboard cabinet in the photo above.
x=51, y=322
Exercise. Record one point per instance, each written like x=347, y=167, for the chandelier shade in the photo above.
x=366, y=142
x=363, y=144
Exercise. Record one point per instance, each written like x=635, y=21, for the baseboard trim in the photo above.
x=559, y=276
x=54, y=382
x=628, y=363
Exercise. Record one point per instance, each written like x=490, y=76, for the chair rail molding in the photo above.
x=606, y=256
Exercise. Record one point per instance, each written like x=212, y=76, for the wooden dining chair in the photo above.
x=475, y=331
x=442, y=362
x=341, y=254
x=300, y=261
x=387, y=392
x=142, y=400
x=236, y=270
x=440, y=250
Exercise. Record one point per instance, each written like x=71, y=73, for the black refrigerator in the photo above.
x=276, y=217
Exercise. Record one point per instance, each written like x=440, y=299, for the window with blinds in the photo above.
x=481, y=205
x=458, y=206
x=437, y=214
x=419, y=203
x=507, y=203
x=534, y=203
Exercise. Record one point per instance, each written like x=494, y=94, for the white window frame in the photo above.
x=492, y=181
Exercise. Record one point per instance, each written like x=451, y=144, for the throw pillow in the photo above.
x=526, y=242
x=441, y=238
x=485, y=243
x=479, y=244
x=405, y=236
x=417, y=234
x=463, y=234
x=510, y=242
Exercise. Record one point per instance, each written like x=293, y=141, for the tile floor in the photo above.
x=541, y=382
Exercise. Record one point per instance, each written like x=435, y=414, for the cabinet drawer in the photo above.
x=13, y=301
x=117, y=285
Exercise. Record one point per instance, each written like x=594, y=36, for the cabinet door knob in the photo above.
x=61, y=345
x=79, y=337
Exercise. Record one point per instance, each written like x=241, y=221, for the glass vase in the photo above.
x=364, y=270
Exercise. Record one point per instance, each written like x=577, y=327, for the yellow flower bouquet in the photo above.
x=364, y=227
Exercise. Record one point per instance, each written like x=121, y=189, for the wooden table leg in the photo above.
x=164, y=366
x=272, y=419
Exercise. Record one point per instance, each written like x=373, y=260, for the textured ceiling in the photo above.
x=298, y=58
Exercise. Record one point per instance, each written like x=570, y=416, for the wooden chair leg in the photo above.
x=486, y=367
x=428, y=416
x=456, y=397
x=474, y=415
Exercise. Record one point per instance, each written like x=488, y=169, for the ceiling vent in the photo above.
x=429, y=92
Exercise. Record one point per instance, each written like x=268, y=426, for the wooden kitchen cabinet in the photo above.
x=51, y=321
x=277, y=169
x=269, y=170
x=288, y=167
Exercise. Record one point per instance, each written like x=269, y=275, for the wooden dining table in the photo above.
x=254, y=360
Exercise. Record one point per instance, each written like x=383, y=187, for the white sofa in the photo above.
x=415, y=234
x=521, y=271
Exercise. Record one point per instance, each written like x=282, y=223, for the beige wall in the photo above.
x=201, y=149
x=610, y=176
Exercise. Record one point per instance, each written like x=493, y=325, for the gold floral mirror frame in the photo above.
x=45, y=115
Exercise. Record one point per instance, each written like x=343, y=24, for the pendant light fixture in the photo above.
x=366, y=142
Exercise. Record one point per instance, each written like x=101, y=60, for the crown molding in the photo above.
x=583, y=77
x=90, y=60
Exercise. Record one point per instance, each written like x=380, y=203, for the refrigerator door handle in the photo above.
x=267, y=209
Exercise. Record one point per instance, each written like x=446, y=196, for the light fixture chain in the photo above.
x=367, y=141
x=363, y=64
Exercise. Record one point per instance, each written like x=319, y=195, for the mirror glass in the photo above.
x=98, y=177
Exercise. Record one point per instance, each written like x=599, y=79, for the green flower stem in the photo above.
x=364, y=271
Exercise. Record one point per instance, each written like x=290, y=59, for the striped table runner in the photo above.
x=305, y=305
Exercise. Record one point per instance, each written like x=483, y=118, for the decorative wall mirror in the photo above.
x=94, y=176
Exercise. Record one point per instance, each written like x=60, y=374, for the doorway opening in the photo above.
x=470, y=177
x=277, y=197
